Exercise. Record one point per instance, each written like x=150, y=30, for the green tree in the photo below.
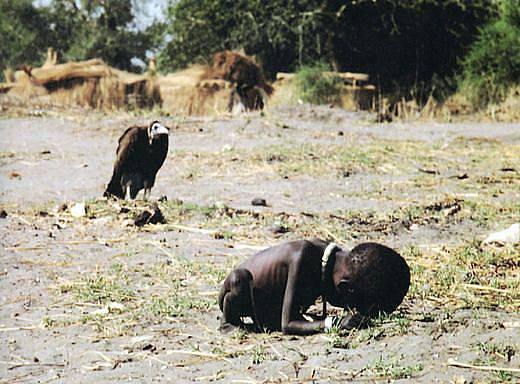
x=78, y=30
x=492, y=66
x=282, y=34
x=101, y=28
x=24, y=35
x=401, y=44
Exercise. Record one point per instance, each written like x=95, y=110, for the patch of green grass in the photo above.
x=97, y=319
x=258, y=354
x=133, y=297
x=8, y=157
x=316, y=159
x=403, y=325
x=384, y=325
x=503, y=351
x=503, y=377
x=393, y=369
x=364, y=335
x=100, y=289
x=240, y=335
x=237, y=224
x=48, y=322
x=210, y=273
x=484, y=213
x=178, y=210
x=57, y=321
x=315, y=87
x=175, y=304
x=338, y=338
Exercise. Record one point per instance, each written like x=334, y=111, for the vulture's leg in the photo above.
x=133, y=191
x=136, y=185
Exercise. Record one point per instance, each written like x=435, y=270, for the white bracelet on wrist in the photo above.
x=329, y=320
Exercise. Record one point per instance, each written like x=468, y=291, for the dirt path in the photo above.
x=94, y=300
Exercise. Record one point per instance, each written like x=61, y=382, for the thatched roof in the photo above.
x=94, y=68
x=89, y=83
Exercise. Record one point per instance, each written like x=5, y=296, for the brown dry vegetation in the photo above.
x=90, y=83
x=237, y=69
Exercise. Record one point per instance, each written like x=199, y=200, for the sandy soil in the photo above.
x=52, y=330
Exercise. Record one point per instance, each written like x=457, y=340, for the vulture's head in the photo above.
x=155, y=130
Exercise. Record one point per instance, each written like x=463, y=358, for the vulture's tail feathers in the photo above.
x=114, y=189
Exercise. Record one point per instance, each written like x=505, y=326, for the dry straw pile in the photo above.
x=184, y=92
x=201, y=90
x=89, y=83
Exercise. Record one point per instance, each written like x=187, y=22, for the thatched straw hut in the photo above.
x=237, y=69
x=184, y=92
x=201, y=90
x=89, y=83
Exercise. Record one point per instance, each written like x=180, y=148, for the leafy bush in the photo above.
x=492, y=66
x=315, y=87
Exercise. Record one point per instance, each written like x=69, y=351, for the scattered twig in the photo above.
x=103, y=356
x=216, y=376
x=13, y=365
x=197, y=353
x=11, y=329
x=192, y=229
x=98, y=366
x=26, y=222
x=454, y=363
x=170, y=255
x=485, y=288
x=429, y=171
x=25, y=249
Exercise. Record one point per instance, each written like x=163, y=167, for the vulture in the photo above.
x=140, y=153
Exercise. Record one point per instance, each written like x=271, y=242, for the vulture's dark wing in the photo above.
x=132, y=145
x=125, y=137
x=131, y=142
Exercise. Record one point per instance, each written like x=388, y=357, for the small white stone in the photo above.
x=78, y=210
x=113, y=306
x=101, y=311
x=227, y=147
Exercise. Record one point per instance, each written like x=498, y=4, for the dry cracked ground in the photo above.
x=95, y=299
